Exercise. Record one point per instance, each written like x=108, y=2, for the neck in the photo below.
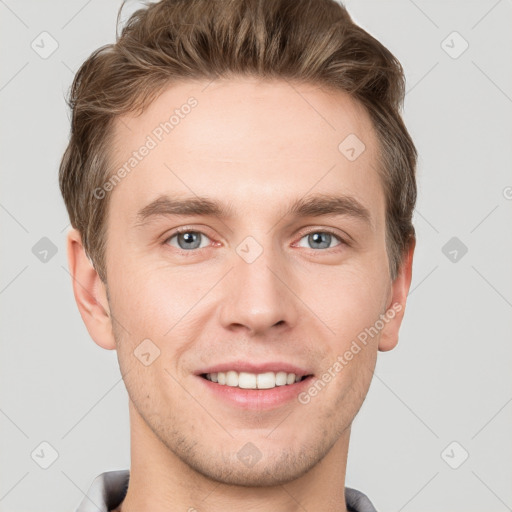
x=162, y=482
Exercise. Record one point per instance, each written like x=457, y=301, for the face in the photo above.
x=276, y=272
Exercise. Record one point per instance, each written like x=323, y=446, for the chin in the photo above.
x=252, y=468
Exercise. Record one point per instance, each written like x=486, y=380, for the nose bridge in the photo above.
x=256, y=294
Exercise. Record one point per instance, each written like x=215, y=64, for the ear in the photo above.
x=396, y=305
x=90, y=293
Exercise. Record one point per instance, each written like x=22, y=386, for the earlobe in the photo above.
x=396, y=307
x=90, y=293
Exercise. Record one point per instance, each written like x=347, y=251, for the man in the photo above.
x=240, y=185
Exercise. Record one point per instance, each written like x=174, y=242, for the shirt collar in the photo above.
x=108, y=491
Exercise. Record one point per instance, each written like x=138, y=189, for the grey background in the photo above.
x=448, y=380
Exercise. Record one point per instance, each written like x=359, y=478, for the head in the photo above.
x=270, y=133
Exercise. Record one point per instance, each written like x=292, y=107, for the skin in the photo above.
x=257, y=146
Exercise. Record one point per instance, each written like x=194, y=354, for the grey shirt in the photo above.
x=108, y=490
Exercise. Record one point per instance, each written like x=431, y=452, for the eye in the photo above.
x=187, y=240
x=321, y=240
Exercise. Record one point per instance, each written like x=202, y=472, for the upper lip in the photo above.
x=252, y=367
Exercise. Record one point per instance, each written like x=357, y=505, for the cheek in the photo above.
x=354, y=301
x=156, y=311
x=150, y=298
x=347, y=300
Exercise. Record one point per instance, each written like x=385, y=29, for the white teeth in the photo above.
x=280, y=378
x=245, y=380
x=232, y=379
x=266, y=380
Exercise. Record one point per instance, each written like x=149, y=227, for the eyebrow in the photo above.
x=310, y=206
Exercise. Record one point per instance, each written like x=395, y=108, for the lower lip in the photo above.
x=257, y=398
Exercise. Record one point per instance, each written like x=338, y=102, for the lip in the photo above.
x=256, y=399
x=250, y=367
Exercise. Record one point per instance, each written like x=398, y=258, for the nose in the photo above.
x=259, y=295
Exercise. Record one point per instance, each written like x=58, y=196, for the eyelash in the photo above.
x=186, y=229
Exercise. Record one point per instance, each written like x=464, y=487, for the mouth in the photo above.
x=248, y=380
x=252, y=385
x=255, y=386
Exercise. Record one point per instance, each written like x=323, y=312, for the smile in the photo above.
x=246, y=380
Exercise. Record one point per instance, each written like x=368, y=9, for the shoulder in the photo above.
x=357, y=501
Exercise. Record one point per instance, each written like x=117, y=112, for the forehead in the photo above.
x=247, y=139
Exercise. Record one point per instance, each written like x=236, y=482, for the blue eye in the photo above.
x=187, y=240
x=321, y=239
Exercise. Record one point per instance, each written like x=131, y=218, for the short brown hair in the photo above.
x=308, y=41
